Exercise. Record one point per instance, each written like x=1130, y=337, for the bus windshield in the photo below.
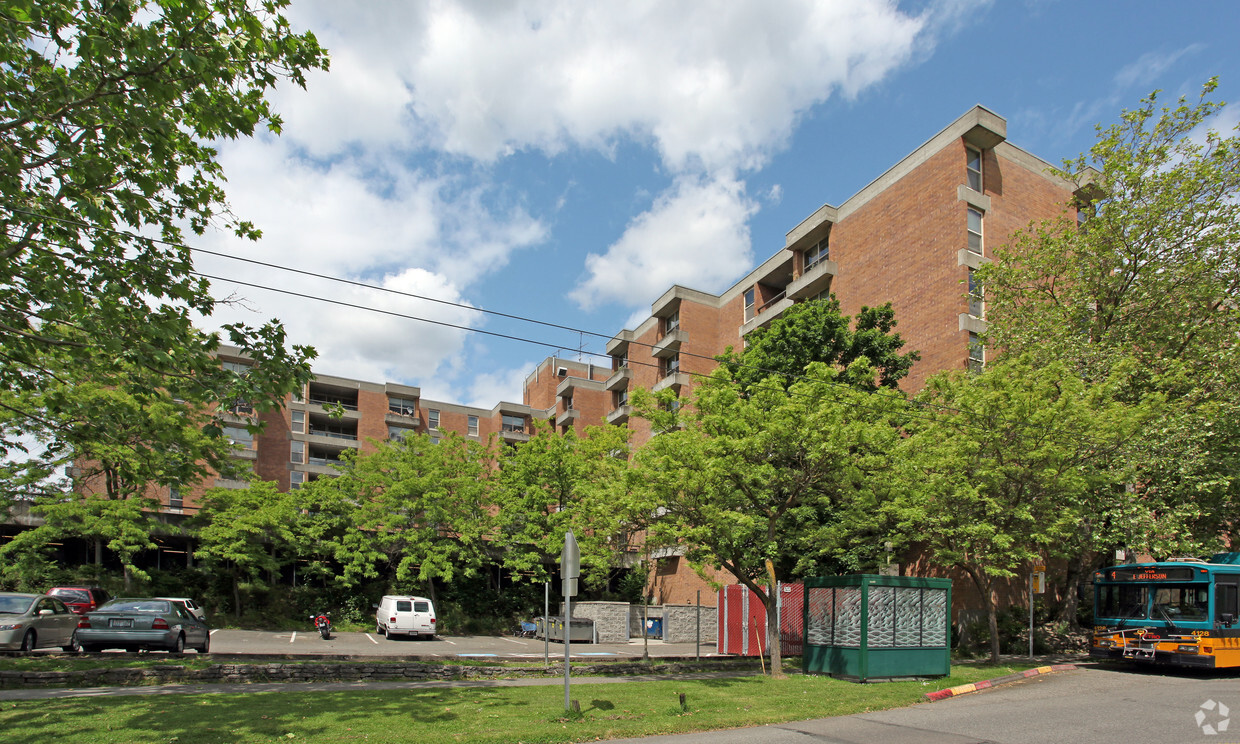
x=1123, y=602
x=1181, y=603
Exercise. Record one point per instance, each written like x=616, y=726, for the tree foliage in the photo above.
x=817, y=331
x=762, y=482
x=245, y=533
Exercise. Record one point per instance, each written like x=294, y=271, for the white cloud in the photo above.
x=696, y=234
x=489, y=388
x=1151, y=66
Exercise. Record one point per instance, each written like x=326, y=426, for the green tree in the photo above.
x=816, y=331
x=1011, y=463
x=421, y=512
x=107, y=115
x=1147, y=276
x=245, y=532
x=757, y=481
x=556, y=482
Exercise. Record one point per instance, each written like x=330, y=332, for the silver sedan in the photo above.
x=143, y=624
x=30, y=621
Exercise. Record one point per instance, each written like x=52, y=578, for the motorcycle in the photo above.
x=323, y=622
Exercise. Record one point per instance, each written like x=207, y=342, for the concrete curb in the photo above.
x=984, y=684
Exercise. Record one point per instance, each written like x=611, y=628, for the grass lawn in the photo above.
x=501, y=715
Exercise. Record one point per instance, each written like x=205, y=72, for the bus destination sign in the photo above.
x=1151, y=573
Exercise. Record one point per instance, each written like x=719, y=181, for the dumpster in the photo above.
x=580, y=630
x=865, y=627
x=654, y=627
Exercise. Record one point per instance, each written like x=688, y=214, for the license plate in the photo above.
x=120, y=622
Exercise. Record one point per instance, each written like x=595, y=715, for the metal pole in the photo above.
x=1031, y=615
x=568, y=623
x=546, y=621
x=697, y=652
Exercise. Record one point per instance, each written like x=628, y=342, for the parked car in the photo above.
x=143, y=623
x=80, y=599
x=403, y=615
x=30, y=621
x=194, y=608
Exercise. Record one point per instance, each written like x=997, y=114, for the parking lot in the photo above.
x=308, y=642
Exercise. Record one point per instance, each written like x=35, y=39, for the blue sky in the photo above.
x=570, y=161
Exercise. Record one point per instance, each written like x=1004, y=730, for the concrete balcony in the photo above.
x=619, y=343
x=620, y=415
x=619, y=379
x=670, y=343
x=512, y=435
x=569, y=384
x=769, y=312
x=568, y=416
x=814, y=281
x=402, y=419
x=676, y=379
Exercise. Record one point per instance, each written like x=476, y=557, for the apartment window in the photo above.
x=749, y=299
x=568, y=404
x=620, y=398
x=514, y=423
x=297, y=452
x=236, y=368
x=174, y=498
x=975, y=230
x=817, y=254
x=672, y=322
x=298, y=421
x=620, y=361
x=432, y=418
x=671, y=365
x=295, y=479
x=241, y=407
x=403, y=406
x=976, y=307
x=473, y=426
x=977, y=353
x=973, y=165
x=398, y=433
x=434, y=439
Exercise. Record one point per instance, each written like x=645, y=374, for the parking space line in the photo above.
x=372, y=640
x=512, y=640
x=292, y=637
x=213, y=631
x=451, y=642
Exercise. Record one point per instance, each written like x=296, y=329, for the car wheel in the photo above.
x=73, y=647
x=28, y=642
x=379, y=630
x=179, y=646
x=206, y=644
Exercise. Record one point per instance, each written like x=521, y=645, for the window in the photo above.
x=239, y=436
x=568, y=404
x=975, y=230
x=976, y=307
x=672, y=322
x=238, y=368
x=473, y=426
x=432, y=419
x=749, y=298
x=977, y=353
x=620, y=361
x=434, y=439
x=296, y=478
x=817, y=254
x=297, y=452
x=398, y=433
x=973, y=165
x=403, y=406
x=514, y=423
x=298, y=419
x=174, y=498
x=620, y=398
x=671, y=365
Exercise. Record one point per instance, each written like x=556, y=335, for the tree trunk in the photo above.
x=430, y=590
x=992, y=618
x=772, y=631
x=1077, y=568
x=236, y=582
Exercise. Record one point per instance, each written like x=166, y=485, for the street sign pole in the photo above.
x=546, y=623
x=570, y=571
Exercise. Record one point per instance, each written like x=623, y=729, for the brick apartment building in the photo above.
x=913, y=237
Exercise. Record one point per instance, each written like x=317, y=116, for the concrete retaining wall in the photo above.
x=611, y=620
x=680, y=624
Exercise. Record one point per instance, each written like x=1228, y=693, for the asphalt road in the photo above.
x=308, y=642
x=1091, y=705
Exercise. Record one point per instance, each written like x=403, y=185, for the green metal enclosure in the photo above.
x=865, y=627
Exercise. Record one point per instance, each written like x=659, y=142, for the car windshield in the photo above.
x=137, y=605
x=1181, y=603
x=70, y=595
x=15, y=605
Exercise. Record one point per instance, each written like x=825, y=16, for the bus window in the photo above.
x=1226, y=595
x=1181, y=604
x=1122, y=601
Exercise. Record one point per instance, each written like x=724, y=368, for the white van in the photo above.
x=401, y=615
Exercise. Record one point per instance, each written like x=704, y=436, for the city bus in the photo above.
x=1175, y=613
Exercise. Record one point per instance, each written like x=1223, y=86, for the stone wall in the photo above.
x=611, y=620
x=680, y=624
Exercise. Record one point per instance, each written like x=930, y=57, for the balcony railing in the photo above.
x=332, y=434
x=320, y=401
